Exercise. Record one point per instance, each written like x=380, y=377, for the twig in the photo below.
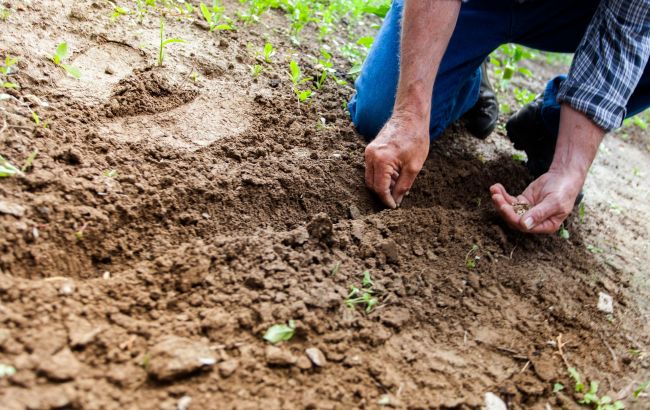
x=512, y=251
x=560, y=345
x=525, y=367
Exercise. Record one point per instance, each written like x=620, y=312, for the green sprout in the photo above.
x=6, y=69
x=4, y=13
x=29, y=162
x=7, y=169
x=558, y=387
x=213, y=16
x=471, y=258
x=110, y=173
x=364, y=295
x=295, y=74
x=164, y=42
x=303, y=95
x=581, y=212
x=37, y=120
x=643, y=387
x=591, y=397
x=563, y=232
x=256, y=70
x=280, y=332
x=269, y=52
x=61, y=53
x=118, y=12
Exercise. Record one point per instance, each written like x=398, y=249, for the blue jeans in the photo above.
x=483, y=25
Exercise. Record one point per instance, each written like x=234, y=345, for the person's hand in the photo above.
x=551, y=198
x=396, y=156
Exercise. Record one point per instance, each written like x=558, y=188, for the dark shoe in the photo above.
x=482, y=118
x=528, y=132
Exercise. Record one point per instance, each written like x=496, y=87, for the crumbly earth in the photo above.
x=166, y=223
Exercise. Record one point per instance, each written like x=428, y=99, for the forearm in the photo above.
x=577, y=143
x=427, y=26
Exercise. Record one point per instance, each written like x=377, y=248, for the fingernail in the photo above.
x=529, y=222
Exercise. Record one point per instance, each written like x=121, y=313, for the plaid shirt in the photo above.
x=609, y=62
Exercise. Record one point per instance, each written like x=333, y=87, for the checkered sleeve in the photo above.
x=609, y=62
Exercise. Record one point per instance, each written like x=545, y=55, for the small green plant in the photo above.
x=471, y=259
x=518, y=156
x=6, y=370
x=37, y=120
x=110, y=173
x=563, y=232
x=256, y=70
x=590, y=396
x=335, y=269
x=295, y=74
x=60, y=54
x=280, y=332
x=213, y=16
x=507, y=58
x=581, y=212
x=118, y=12
x=594, y=249
x=164, y=42
x=194, y=76
x=364, y=295
x=523, y=96
x=4, y=13
x=29, y=162
x=142, y=6
x=269, y=52
x=6, y=69
x=7, y=169
x=303, y=95
x=558, y=387
x=643, y=387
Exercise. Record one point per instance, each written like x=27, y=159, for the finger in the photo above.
x=499, y=189
x=404, y=183
x=506, y=210
x=381, y=184
x=540, y=217
x=369, y=174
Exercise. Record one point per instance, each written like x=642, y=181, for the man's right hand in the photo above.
x=396, y=156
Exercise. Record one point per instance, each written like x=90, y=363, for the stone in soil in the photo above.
x=316, y=356
x=228, y=367
x=61, y=367
x=175, y=356
x=276, y=356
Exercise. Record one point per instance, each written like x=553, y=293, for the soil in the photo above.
x=167, y=223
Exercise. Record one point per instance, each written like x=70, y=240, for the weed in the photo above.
x=256, y=70
x=37, y=120
x=590, y=397
x=110, y=173
x=60, y=54
x=29, y=162
x=280, y=332
x=269, y=52
x=366, y=41
x=164, y=42
x=303, y=95
x=7, y=169
x=213, y=16
x=364, y=295
x=471, y=259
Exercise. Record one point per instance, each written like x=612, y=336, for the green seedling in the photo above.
x=60, y=54
x=519, y=157
x=194, y=76
x=364, y=295
x=29, y=162
x=643, y=387
x=507, y=58
x=523, y=96
x=295, y=74
x=558, y=387
x=594, y=249
x=118, y=12
x=142, y=7
x=6, y=69
x=256, y=70
x=581, y=212
x=471, y=259
x=164, y=42
x=280, y=332
x=366, y=41
x=146, y=360
x=563, y=232
x=110, y=173
x=37, y=120
x=6, y=370
x=303, y=95
x=4, y=13
x=269, y=52
x=600, y=403
x=213, y=16
x=7, y=169
x=575, y=376
x=335, y=269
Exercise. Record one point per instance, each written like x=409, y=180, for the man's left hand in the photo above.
x=551, y=198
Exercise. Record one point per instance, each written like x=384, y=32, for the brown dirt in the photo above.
x=228, y=211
